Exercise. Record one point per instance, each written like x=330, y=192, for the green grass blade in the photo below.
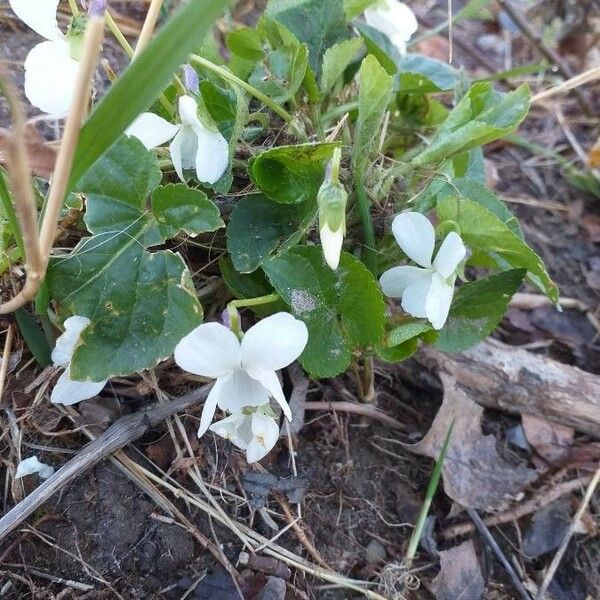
x=34, y=336
x=431, y=488
x=143, y=80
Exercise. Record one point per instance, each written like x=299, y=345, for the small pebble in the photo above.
x=375, y=552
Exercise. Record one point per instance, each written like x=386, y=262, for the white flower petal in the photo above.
x=210, y=350
x=188, y=111
x=274, y=342
x=152, y=130
x=331, y=242
x=67, y=341
x=265, y=435
x=451, y=253
x=232, y=428
x=212, y=155
x=32, y=465
x=271, y=382
x=184, y=149
x=240, y=390
x=439, y=300
x=415, y=236
x=395, y=280
x=210, y=405
x=394, y=19
x=40, y=15
x=67, y=391
x=51, y=77
x=414, y=297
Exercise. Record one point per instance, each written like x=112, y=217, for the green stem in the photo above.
x=364, y=210
x=340, y=111
x=228, y=76
x=245, y=303
x=431, y=488
x=74, y=8
x=9, y=211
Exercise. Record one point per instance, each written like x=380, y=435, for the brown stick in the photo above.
x=122, y=432
x=539, y=500
x=508, y=378
x=366, y=410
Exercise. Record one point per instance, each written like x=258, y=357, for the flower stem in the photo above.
x=228, y=76
x=245, y=303
x=364, y=210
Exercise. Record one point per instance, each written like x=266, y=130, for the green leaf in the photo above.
x=471, y=190
x=423, y=75
x=343, y=309
x=373, y=99
x=336, y=61
x=34, y=336
x=484, y=232
x=176, y=208
x=406, y=331
x=141, y=83
x=291, y=174
x=477, y=309
x=259, y=228
x=140, y=303
x=483, y=115
x=353, y=8
x=245, y=43
x=315, y=23
x=381, y=47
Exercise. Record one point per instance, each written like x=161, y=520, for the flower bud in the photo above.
x=190, y=79
x=75, y=36
x=331, y=199
x=96, y=8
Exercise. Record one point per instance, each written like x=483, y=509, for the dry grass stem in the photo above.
x=149, y=25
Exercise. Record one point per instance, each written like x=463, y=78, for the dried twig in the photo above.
x=568, y=535
x=491, y=542
x=365, y=410
x=5, y=358
x=569, y=84
x=122, y=432
x=540, y=499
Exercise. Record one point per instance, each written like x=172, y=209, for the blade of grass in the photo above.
x=9, y=211
x=431, y=489
x=142, y=82
x=34, y=336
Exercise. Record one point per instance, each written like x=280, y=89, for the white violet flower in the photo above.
x=194, y=146
x=67, y=390
x=50, y=69
x=394, y=19
x=256, y=432
x=32, y=465
x=427, y=290
x=245, y=371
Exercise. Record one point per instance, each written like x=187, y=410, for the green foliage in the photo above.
x=259, y=228
x=291, y=174
x=142, y=82
x=482, y=116
x=484, y=232
x=423, y=75
x=373, y=99
x=477, y=309
x=336, y=61
x=315, y=23
x=353, y=8
x=34, y=336
x=342, y=309
x=141, y=303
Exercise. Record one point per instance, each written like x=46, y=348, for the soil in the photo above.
x=103, y=537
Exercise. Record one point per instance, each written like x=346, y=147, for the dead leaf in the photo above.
x=474, y=473
x=258, y=486
x=594, y=156
x=550, y=440
x=547, y=529
x=162, y=452
x=591, y=224
x=41, y=154
x=100, y=413
x=460, y=575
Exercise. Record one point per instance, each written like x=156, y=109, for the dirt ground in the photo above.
x=359, y=490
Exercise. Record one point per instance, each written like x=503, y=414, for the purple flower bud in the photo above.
x=190, y=79
x=96, y=8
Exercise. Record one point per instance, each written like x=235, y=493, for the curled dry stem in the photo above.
x=38, y=249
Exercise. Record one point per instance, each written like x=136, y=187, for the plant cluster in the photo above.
x=327, y=158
